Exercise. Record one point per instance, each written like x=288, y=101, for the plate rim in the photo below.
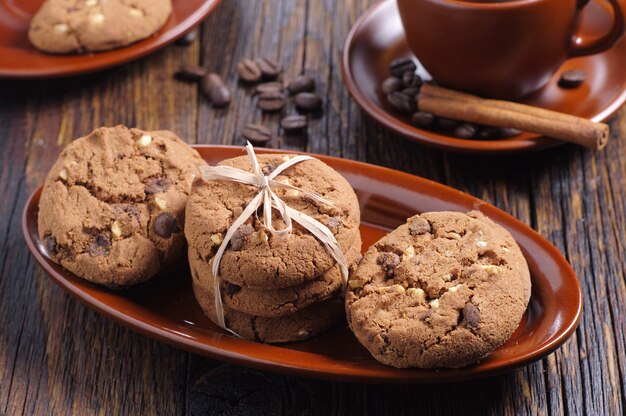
x=118, y=56
x=533, y=142
x=214, y=351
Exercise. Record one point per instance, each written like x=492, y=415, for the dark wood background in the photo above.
x=58, y=357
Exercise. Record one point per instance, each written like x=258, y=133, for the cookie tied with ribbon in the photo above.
x=268, y=201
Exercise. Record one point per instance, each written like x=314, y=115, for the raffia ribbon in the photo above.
x=270, y=201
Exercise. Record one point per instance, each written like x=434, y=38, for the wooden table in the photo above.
x=58, y=357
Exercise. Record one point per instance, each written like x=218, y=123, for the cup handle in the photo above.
x=581, y=46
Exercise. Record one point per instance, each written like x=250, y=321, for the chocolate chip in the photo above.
x=239, y=237
x=423, y=119
x=402, y=102
x=156, y=185
x=464, y=131
x=256, y=134
x=308, y=101
x=189, y=38
x=398, y=67
x=293, y=123
x=471, y=316
x=270, y=68
x=391, y=84
x=419, y=226
x=505, y=133
x=191, y=73
x=334, y=223
x=269, y=87
x=410, y=79
x=272, y=101
x=301, y=83
x=165, y=225
x=267, y=169
x=100, y=245
x=217, y=91
x=50, y=243
x=389, y=261
x=446, y=124
x=248, y=70
x=572, y=78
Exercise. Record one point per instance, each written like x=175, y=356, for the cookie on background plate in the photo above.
x=64, y=26
x=443, y=290
x=112, y=208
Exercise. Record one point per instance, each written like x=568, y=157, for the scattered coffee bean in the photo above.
x=422, y=119
x=411, y=91
x=270, y=69
x=189, y=38
x=272, y=101
x=446, y=124
x=165, y=225
x=402, y=102
x=293, y=123
x=248, y=70
x=308, y=101
x=100, y=245
x=51, y=244
x=301, y=83
x=506, y=133
x=410, y=79
x=465, y=131
x=156, y=185
x=391, y=84
x=398, y=67
x=240, y=236
x=572, y=78
x=191, y=73
x=213, y=86
x=256, y=134
x=269, y=87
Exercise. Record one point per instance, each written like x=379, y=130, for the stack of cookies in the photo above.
x=274, y=288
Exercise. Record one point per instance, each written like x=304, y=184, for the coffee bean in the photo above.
x=213, y=86
x=256, y=134
x=402, y=102
x=464, y=131
x=308, y=101
x=398, y=67
x=248, y=70
x=446, y=124
x=293, y=123
x=410, y=79
x=423, y=119
x=156, y=185
x=270, y=69
x=165, y=225
x=572, y=78
x=100, y=245
x=189, y=38
x=269, y=87
x=505, y=133
x=391, y=84
x=411, y=91
x=191, y=73
x=301, y=83
x=272, y=101
x=51, y=244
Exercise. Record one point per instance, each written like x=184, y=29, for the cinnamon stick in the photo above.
x=461, y=106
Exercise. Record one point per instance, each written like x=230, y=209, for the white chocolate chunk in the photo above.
x=216, y=239
x=434, y=304
x=96, y=19
x=144, y=140
x=453, y=289
x=116, y=230
x=356, y=283
x=416, y=293
x=91, y=3
x=481, y=243
x=160, y=202
x=453, y=236
x=408, y=253
x=63, y=174
x=398, y=288
x=61, y=28
x=490, y=268
x=135, y=12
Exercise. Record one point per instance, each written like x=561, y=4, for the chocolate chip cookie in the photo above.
x=273, y=303
x=113, y=205
x=63, y=26
x=297, y=326
x=255, y=258
x=443, y=290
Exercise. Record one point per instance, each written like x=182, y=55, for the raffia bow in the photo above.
x=270, y=201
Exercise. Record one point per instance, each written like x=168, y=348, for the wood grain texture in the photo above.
x=58, y=357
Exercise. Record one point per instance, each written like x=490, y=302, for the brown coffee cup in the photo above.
x=501, y=49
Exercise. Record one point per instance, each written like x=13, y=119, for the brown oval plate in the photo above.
x=377, y=38
x=19, y=59
x=165, y=309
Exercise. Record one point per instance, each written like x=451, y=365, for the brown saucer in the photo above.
x=19, y=59
x=165, y=309
x=377, y=38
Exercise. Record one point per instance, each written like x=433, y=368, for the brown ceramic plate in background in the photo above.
x=377, y=38
x=19, y=59
x=165, y=309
